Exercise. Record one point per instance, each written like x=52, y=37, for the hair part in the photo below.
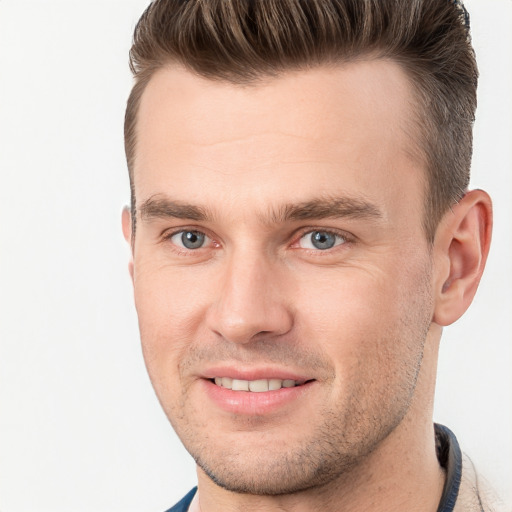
x=245, y=41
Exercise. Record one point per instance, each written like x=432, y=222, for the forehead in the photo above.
x=348, y=126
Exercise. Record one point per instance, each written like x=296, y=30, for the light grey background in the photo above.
x=80, y=428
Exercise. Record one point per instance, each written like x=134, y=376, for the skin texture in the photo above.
x=255, y=169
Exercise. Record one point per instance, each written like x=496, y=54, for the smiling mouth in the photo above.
x=257, y=386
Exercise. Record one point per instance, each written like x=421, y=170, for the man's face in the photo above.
x=279, y=243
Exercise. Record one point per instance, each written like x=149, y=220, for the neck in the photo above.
x=402, y=473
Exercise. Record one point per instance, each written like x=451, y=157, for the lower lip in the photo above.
x=251, y=403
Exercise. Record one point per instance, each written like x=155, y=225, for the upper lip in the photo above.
x=254, y=373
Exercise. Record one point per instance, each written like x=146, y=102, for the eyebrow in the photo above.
x=326, y=208
x=158, y=207
x=165, y=208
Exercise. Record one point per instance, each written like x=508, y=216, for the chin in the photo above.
x=281, y=469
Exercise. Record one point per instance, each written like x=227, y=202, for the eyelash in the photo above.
x=323, y=232
x=346, y=239
x=168, y=235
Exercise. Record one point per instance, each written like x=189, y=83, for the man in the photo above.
x=301, y=232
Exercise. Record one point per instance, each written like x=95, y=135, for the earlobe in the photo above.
x=460, y=250
x=126, y=220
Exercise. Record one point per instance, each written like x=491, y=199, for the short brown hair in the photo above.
x=241, y=41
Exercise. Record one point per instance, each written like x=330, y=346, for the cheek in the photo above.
x=347, y=302
x=366, y=320
x=169, y=298
x=170, y=308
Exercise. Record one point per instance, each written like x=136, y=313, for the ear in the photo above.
x=126, y=220
x=461, y=247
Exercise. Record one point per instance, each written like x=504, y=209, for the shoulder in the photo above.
x=475, y=494
x=465, y=490
x=184, y=503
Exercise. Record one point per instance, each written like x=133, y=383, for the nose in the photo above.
x=251, y=301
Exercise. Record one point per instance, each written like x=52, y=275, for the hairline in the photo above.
x=418, y=136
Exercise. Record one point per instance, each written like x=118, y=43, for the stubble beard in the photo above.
x=344, y=438
x=341, y=442
x=329, y=456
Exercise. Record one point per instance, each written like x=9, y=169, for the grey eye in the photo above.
x=321, y=240
x=189, y=239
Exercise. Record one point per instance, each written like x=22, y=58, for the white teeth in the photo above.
x=274, y=384
x=240, y=385
x=226, y=382
x=256, y=386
